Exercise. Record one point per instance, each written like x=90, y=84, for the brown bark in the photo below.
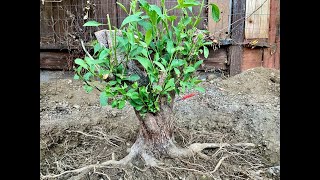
x=156, y=131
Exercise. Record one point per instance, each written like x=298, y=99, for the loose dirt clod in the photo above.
x=76, y=132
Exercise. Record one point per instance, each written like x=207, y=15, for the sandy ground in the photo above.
x=76, y=131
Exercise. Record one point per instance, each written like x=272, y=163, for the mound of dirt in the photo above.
x=76, y=131
x=248, y=103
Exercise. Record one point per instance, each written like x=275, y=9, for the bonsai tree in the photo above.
x=146, y=63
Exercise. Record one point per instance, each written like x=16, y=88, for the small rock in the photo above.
x=275, y=170
x=114, y=114
x=211, y=77
x=69, y=81
x=211, y=82
x=76, y=106
x=70, y=96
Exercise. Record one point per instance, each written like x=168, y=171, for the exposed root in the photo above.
x=105, y=137
x=151, y=161
x=218, y=164
x=123, y=162
x=197, y=148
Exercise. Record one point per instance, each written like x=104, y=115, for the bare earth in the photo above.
x=76, y=131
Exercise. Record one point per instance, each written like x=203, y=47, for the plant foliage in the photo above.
x=167, y=47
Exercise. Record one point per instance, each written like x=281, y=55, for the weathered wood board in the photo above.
x=257, y=25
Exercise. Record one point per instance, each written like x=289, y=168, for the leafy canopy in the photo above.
x=167, y=47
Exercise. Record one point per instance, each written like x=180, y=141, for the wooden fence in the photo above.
x=242, y=23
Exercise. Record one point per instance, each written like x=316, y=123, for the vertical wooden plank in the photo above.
x=237, y=34
x=257, y=25
x=251, y=58
x=220, y=29
x=277, y=60
x=269, y=53
x=108, y=7
x=277, y=54
x=46, y=31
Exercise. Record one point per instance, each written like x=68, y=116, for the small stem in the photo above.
x=202, y=4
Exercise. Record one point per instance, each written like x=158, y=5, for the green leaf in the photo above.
x=170, y=85
x=187, y=3
x=76, y=77
x=87, y=76
x=93, y=23
x=144, y=62
x=170, y=47
x=205, y=51
x=171, y=18
x=164, y=62
x=197, y=64
x=134, y=95
x=160, y=66
x=133, y=77
x=158, y=88
x=143, y=3
x=136, y=50
x=215, y=12
x=111, y=83
x=189, y=69
x=180, y=2
x=185, y=21
x=135, y=85
x=122, y=42
x=96, y=48
x=197, y=81
x=132, y=18
x=114, y=103
x=145, y=24
x=177, y=63
x=103, y=99
x=200, y=89
x=208, y=43
x=156, y=56
x=122, y=7
x=177, y=71
x=80, y=62
x=143, y=92
x=144, y=52
x=143, y=44
x=148, y=37
x=138, y=107
x=121, y=104
x=104, y=53
x=88, y=60
x=157, y=10
x=87, y=88
x=153, y=17
x=79, y=69
x=183, y=35
x=179, y=48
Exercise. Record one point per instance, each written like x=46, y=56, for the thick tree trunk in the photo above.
x=155, y=138
x=156, y=131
